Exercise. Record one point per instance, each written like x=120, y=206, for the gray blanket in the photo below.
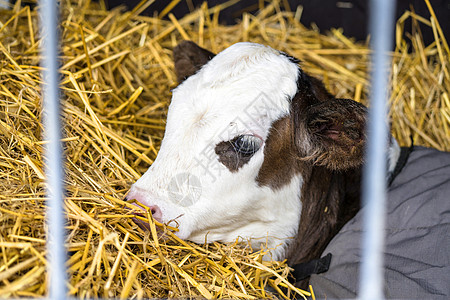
x=417, y=252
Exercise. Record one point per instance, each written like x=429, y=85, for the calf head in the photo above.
x=251, y=143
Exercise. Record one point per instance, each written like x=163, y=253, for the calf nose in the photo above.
x=153, y=209
x=156, y=213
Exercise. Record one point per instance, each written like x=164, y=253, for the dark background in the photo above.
x=351, y=15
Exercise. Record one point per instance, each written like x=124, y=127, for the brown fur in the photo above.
x=189, y=58
x=229, y=157
x=280, y=159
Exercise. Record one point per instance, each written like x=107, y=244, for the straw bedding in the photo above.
x=116, y=79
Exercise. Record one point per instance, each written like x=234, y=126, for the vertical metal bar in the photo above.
x=53, y=151
x=4, y=4
x=374, y=173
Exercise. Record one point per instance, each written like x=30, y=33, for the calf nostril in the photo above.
x=156, y=212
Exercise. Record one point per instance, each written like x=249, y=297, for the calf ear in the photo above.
x=189, y=58
x=332, y=133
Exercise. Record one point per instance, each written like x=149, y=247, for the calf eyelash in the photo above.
x=247, y=144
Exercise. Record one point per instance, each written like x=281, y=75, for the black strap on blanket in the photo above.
x=315, y=266
x=402, y=160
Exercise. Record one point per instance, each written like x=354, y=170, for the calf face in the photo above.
x=251, y=144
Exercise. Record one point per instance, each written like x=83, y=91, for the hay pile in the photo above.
x=116, y=78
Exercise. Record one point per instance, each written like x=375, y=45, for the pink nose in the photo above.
x=156, y=212
x=154, y=209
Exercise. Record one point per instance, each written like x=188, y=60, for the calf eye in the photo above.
x=237, y=152
x=247, y=144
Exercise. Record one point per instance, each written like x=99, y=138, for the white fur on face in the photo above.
x=242, y=90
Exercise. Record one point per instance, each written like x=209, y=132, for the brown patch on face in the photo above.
x=280, y=162
x=281, y=156
x=229, y=157
x=320, y=131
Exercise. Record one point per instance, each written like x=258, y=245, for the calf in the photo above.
x=256, y=149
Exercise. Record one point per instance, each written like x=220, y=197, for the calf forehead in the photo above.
x=248, y=61
x=247, y=83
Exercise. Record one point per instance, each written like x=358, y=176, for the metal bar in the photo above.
x=374, y=173
x=53, y=152
x=5, y=4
